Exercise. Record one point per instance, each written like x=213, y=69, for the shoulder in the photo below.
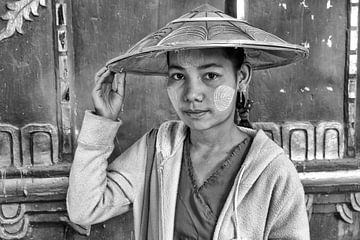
x=283, y=165
x=284, y=175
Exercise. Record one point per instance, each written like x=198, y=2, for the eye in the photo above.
x=211, y=76
x=177, y=76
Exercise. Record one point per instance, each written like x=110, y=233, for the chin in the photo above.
x=201, y=124
x=198, y=126
x=206, y=123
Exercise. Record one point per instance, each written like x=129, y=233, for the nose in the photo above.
x=194, y=90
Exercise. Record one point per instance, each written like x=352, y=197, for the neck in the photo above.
x=216, y=137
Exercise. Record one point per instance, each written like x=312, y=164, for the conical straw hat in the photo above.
x=206, y=27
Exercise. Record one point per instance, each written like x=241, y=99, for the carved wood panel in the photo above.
x=21, y=220
x=304, y=141
x=28, y=82
x=32, y=145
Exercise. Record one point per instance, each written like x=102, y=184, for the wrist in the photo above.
x=112, y=117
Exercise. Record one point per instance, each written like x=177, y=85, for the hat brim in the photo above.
x=206, y=27
x=259, y=55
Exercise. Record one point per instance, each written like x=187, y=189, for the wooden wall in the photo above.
x=298, y=98
x=303, y=90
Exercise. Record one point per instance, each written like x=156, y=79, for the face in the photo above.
x=202, y=87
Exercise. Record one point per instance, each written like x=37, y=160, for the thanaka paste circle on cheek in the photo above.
x=223, y=97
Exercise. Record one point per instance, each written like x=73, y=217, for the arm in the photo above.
x=288, y=217
x=97, y=191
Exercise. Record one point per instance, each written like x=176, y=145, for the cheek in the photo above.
x=223, y=96
x=173, y=96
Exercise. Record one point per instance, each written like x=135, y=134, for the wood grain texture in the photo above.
x=27, y=72
x=314, y=88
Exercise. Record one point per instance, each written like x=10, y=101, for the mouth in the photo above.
x=195, y=113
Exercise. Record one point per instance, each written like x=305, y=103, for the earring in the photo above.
x=243, y=107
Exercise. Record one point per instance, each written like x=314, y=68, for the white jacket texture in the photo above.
x=266, y=200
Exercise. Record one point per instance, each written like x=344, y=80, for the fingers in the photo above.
x=119, y=83
x=115, y=83
x=100, y=72
x=103, y=76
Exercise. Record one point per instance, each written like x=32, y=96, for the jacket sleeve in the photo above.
x=288, y=218
x=98, y=191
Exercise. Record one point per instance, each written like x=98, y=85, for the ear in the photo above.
x=243, y=77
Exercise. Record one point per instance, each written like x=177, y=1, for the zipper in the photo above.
x=161, y=211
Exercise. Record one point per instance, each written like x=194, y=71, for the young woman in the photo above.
x=202, y=177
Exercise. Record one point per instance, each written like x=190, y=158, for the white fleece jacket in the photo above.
x=266, y=200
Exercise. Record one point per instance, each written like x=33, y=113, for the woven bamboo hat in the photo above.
x=206, y=27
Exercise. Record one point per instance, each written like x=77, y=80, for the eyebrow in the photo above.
x=200, y=67
x=175, y=67
x=210, y=65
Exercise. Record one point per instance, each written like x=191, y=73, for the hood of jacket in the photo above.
x=169, y=146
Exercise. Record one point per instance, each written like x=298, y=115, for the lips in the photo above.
x=195, y=113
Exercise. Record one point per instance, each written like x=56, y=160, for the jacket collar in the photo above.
x=170, y=137
x=169, y=145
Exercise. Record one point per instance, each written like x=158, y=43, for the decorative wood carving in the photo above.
x=330, y=178
x=32, y=188
x=343, y=204
x=298, y=140
x=9, y=146
x=39, y=144
x=64, y=77
x=345, y=213
x=15, y=218
x=351, y=79
x=61, y=17
x=11, y=213
x=13, y=222
x=329, y=140
x=18, y=11
x=62, y=41
x=355, y=201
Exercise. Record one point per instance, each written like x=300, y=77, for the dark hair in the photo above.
x=236, y=56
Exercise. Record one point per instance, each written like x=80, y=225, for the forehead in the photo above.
x=197, y=57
